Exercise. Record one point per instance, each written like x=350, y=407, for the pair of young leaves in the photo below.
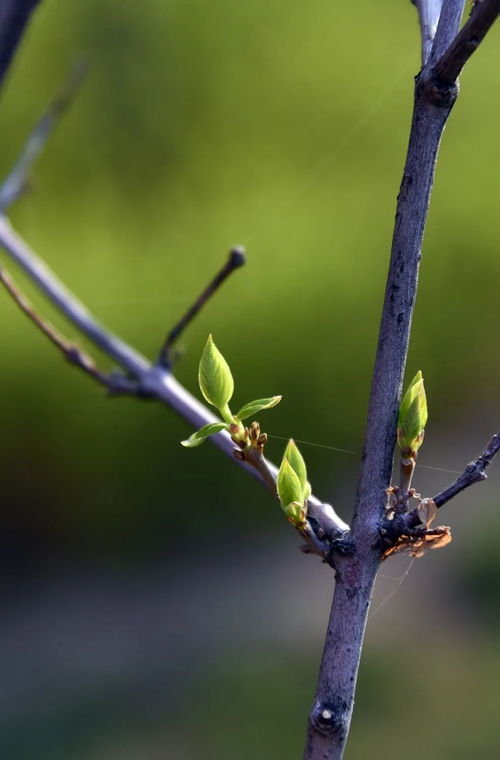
x=217, y=386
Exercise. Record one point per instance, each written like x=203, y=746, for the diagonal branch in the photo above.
x=149, y=380
x=16, y=181
x=447, y=28
x=74, y=354
x=473, y=473
x=235, y=260
x=467, y=41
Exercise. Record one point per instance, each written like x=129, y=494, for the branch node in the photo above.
x=437, y=91
x=330, y=718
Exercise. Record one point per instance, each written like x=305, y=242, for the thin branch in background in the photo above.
x=73, y=353
x=16, y=182
x=467, y=40
x=14, y=17
x=428, y=15
x=447, y=28
x=235, y=261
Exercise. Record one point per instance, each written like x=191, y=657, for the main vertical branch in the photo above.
x=330, y=717
x=431, y=111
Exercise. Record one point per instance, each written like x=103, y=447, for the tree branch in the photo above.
x=330, y=717
x=66, y=302
x=148, y=380
x=428, y=15
x=74, y=354
x=473, y=473
x=467, y=40
x=14, y=17
x=447, y=28
x=16, y=181
x=235, y=261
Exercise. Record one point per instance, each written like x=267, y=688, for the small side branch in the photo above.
x=73, y=353
x=467, y=41
x=235, y=261
x=473, y=473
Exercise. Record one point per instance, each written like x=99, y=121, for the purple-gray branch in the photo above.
x=483, y=15
x=473, y=473
x=330, y=717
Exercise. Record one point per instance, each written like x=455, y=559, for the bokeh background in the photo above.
x=154, y=603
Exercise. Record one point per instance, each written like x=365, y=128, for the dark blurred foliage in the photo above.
x=281, y=126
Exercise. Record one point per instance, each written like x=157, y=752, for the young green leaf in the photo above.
x=412, y=415
x=254, y=407
x=293, y=455
x=197, y=438
x=215, y=378
x=288, y=484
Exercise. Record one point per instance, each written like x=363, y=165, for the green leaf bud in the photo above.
x=215, y=379
x=296, y=514
x=254, y=407
x=197, y=438
x=412, y=417
x=288, y=485
x=296, y=460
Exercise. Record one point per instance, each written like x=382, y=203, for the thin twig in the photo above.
x=14, y=185
x=235, y=260
x=473, y=473
x=74, y=354
x=467, y=40
x=67, y=303
x=428, y=15
x=14, y=17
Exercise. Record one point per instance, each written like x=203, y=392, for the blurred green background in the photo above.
x=154, y=602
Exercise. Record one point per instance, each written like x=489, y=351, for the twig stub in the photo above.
x=235, y=260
